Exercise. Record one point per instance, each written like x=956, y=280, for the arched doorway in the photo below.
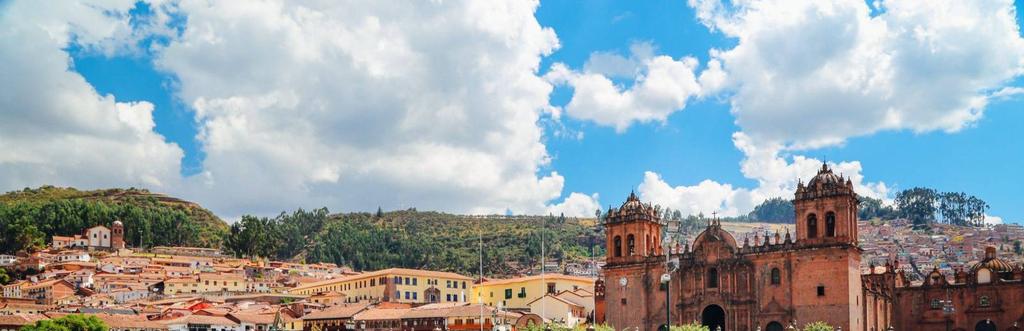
x=713, y=317
x=774, y=326
x=986, y=325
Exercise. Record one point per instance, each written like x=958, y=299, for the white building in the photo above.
x=8, y=260
x=202, y=322
x=98, y=236
x=73, y=256
x=558, y=310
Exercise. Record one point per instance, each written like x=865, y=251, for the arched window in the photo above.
x=812, y=226
x=984, y=276
x=618, y=246
x=712, y=278
x=830, y=224
x=983, y=301
x=630, y=245
x=776, y=276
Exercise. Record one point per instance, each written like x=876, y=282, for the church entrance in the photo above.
x=774, y=326
x=713, y=317
x=985, y=325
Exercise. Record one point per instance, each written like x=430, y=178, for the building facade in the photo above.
x=395, y=285
x=770, y=282
x=518, y=293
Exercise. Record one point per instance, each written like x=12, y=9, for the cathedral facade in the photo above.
x=768, y=283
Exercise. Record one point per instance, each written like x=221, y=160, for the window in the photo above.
x=812, y=226
x=712, y=278
x=821, y=290
x=414, y=281
x=830, y=224
x=414, y=296
x=551, y=288
x=398, y=295
x=630, y=245
x=983, y=301
x=508, y=293
x=463, y=285
x=448, y=284
x=936, y=303
x=618, y=246
x=373, y=282
x=522, y=292
x=776, y=276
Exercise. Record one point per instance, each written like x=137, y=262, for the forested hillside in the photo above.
x=412, y=239
x=29, y=217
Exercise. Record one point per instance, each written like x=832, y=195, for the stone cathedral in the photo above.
x=767, y=283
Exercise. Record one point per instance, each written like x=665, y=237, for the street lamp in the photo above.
x=667, y=278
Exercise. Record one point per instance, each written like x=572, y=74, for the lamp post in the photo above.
x=667, y=279
x=948, y=310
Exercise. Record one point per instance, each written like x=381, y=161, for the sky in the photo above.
x=514, y=106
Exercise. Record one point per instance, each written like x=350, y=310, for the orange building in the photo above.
x=768, y=284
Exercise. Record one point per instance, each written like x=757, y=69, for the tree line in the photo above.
x=29, y=225
x=920, y=205
x=413, y=239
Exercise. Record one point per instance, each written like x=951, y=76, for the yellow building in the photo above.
x=517, y=293
x=205, y=283
x=395, y=285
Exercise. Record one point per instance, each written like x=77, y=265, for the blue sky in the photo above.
x=689, y=145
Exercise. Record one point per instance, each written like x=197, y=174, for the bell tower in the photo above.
x=633, y=231
x=826, y=210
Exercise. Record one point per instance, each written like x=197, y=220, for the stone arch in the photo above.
x=812, y=226
x=773, y=326
x=985, y=325
x=713, y=317
x=630, y=245
x=617, y=242
x=830, y=224
x=776, y=276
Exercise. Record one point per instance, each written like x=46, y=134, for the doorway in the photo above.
x=986, y=325
x=713, y=317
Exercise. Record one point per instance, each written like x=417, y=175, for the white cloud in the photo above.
x=993, y=220
x=299, y=104
x=835, y=71
x=662, y=85
x=776, y=176
x=434, y=105
x=576, y=205
x=55, y=127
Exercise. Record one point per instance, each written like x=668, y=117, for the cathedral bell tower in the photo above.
x=633, y=232
x=826, y=210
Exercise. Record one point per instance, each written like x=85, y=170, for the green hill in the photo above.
x=28, y=218
x=413, y=239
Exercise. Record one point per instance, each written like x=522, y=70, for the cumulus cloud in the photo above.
x=55, y=128
x=576, y=204
x=661, y=86
x=837, y=71
x=305, y=103
x=433, y=105
x=776, y=176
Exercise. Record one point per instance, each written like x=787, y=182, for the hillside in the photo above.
x=29, y=217
x=413, y=239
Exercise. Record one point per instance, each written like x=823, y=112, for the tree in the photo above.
x=4, y=277
x=870, y=208
x=74, y=322
x=917, y=204
x=774, y=210
x=818, y=326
